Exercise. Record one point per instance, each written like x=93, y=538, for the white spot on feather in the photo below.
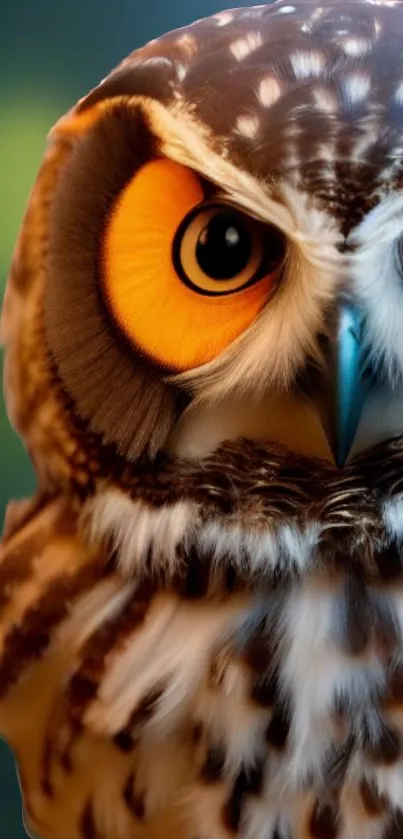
x=248, y=125
x=188, y=44
x=325, y=100
x=308, y=26
x=307, y=64
x=399, y=94
x=269, y=91
x=181, y=70
x=223, y=18
x=377, y=28
x=356, y=47
x=243, y=47
x=357, y=87
x=316, y=14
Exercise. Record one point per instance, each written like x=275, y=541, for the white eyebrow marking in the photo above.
x=269, y=91
x=306, y=64
x=286, y=10
x=248, y=125
x=243, y=47
x=357, y=87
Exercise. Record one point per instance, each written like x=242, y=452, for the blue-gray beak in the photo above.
x=344, y=384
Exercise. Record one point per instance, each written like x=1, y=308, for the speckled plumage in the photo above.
x=210, y=645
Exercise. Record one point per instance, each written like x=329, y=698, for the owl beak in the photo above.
x=344, y=383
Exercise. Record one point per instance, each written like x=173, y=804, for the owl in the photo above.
x=201, y=608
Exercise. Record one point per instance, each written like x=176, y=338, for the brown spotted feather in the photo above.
x=212, y=647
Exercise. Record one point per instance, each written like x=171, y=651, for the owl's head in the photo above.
x=214, y=245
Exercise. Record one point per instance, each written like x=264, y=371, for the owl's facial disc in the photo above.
x=156, y=271
x=194, y=287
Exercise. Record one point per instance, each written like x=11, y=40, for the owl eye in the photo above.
x=218, y=250
x=171, y=262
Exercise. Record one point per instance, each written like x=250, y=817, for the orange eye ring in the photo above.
x=230, y=243
x=154, y=287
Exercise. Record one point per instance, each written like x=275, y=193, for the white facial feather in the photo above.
x=378, y=283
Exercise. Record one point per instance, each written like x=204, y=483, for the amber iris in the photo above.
x=182, y=277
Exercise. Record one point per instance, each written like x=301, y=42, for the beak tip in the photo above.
x=339, y=453
x=340, y=461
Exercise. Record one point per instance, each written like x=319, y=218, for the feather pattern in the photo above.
x=235, y=701
x=256, y=509
x=211, y=647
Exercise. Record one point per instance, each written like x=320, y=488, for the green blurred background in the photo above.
x=51, y=53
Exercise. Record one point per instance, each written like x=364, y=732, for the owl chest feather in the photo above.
x=272, y=716
x=235, y=670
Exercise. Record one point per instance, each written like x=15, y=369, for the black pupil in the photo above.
x=224, y=247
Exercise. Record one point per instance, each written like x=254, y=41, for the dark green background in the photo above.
x=51, y=53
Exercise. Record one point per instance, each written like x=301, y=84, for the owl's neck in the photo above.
x=284, y=419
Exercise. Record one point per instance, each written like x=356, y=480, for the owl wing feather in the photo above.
x=105, y=684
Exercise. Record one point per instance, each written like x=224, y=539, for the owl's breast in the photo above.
x=253, y=688
x=276, y=716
